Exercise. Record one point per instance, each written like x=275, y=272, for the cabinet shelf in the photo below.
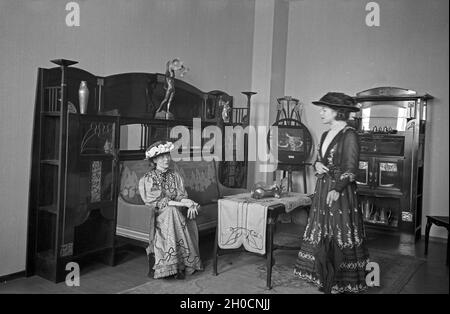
x=49, y=209
x=52, y=162
x=47, y=255
x=380, y=225
x=92, y=251
x=378, y=193
x=96, y=156
x=51, y=114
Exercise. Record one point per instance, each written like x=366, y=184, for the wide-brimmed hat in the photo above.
x=158, y=148
x=336, y=100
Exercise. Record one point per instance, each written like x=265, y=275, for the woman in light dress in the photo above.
x=173, y=238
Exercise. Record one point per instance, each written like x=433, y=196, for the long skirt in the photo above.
x=175, y=243
x=333, y=253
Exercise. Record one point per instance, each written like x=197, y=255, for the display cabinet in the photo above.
x=391, y=127
x=73, y=171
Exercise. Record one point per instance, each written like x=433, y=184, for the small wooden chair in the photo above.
x=441, y=221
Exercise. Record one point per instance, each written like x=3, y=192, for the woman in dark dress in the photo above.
x=333, y=254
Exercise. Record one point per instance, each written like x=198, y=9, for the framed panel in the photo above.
x=362, y=176
x=389, y=174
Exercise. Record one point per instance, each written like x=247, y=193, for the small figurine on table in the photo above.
x=172, y=67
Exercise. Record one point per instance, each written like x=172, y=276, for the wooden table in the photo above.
x=272, y=218
x=441, y=221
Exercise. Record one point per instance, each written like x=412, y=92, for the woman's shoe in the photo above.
x=180, y=275
x=151, y=263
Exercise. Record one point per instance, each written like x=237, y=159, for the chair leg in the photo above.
x=427, y=235
x=215, y=253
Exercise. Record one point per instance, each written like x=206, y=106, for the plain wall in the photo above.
x=213, y=37
x=330, y=48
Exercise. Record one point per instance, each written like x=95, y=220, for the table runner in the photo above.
x=242, y=220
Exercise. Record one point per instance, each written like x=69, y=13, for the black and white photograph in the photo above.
x=224, y=153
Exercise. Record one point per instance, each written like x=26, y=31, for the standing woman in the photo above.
x=173, y=237
x=333, y=254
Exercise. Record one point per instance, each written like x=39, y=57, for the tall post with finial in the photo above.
x=249, y=96
x=62, y=154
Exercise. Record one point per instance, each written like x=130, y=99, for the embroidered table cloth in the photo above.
x=242, y=220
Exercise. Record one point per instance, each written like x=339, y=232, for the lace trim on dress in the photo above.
x=163, y=180
x=306, y=256
x=359, y=265
x=349, y=288
x=349, y=243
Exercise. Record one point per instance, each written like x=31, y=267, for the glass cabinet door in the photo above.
x=97, y=137
x=362, y=176
x=385, y=117
x=389, y=174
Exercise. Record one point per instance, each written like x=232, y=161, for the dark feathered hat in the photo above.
x=336, y=100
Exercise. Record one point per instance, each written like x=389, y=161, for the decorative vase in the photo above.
x=83, y=95
x=383, y=217
x=367, y=210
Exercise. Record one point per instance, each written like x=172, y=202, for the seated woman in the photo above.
x=173, y=242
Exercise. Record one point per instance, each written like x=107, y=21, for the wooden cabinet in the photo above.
x=73, y=176
x=392, y=131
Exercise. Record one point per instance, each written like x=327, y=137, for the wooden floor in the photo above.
x=431, y=277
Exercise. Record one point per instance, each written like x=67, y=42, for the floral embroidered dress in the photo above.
x=333, y=254
x=174, y=238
